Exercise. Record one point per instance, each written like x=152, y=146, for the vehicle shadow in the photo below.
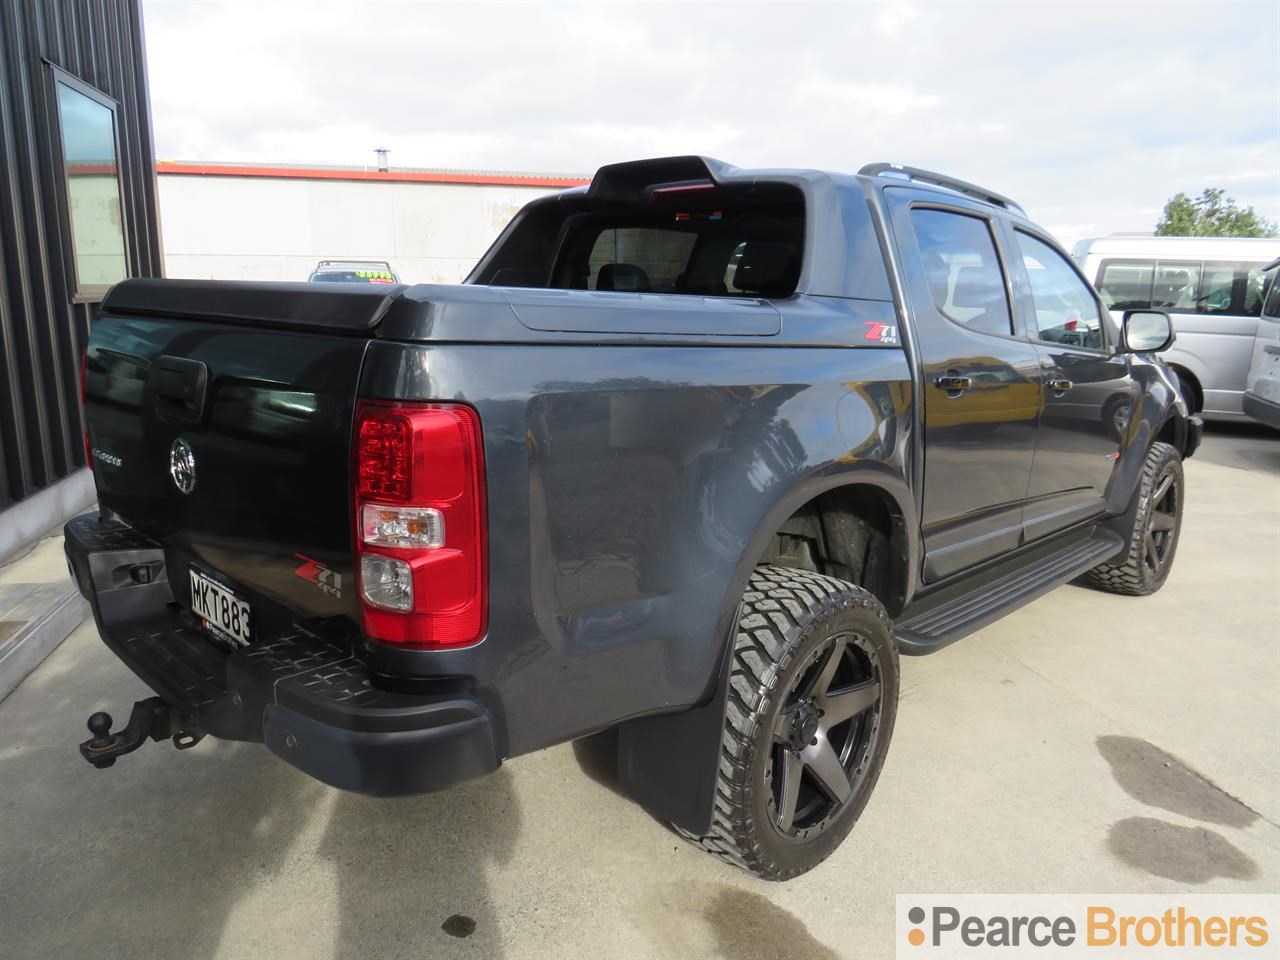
x=411, y=871
x=148, y=859
x=222, y=849
x=1242, y=444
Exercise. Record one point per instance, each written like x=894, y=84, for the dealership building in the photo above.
x=78, y=212
x=84, y=204
x=272, y=222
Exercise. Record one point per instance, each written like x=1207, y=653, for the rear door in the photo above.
x=227, y=441
x=1087, y=389
x=981, y=392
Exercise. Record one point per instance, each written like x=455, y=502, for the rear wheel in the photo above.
x=1156, y=525
x=812, y=701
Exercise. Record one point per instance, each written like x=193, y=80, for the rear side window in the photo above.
x=1183, y=286
x=962, y=268
x=1066, y=311
x=1176, y=286
x=1125, y=285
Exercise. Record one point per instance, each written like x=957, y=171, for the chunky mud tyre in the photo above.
x=813, y=694
x=1157, y=523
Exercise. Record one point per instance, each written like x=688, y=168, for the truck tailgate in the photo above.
x=219, y=418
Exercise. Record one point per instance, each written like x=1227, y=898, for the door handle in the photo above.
x=1060, y=386
x=952, y=384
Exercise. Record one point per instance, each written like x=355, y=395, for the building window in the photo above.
x=87, y=121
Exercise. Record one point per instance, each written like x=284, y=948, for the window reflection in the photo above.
x=93, y=189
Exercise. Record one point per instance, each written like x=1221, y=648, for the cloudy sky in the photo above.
x=1090, y=113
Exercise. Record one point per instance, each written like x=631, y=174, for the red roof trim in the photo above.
x=392, y=176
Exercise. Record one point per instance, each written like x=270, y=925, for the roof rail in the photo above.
x=942, y=180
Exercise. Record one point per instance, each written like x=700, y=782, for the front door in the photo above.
x=981, y=380
x=1088, y=393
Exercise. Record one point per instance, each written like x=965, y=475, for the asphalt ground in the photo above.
x=1087, y=743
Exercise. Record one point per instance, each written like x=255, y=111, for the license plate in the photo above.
x=220, y=611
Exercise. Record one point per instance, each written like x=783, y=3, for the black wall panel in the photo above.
x=43, y=327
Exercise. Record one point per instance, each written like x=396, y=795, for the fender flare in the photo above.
x=667, y=762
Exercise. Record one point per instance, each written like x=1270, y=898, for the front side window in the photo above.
x=93, y=188
x=1255, y=288
x=1272, y=310
x=1065, y=309
x=964, y=274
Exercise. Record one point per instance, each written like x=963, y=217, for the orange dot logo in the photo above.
x=916, y=936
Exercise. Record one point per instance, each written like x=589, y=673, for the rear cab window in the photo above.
x=695, y=239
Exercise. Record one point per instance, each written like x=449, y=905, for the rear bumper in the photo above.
x=309, y=699
x=1264, y=411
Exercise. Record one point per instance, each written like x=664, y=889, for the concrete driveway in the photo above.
x=1089, y=743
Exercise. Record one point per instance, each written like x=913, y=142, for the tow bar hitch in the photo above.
x=150, y=718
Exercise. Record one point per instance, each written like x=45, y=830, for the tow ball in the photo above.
x=150, y=718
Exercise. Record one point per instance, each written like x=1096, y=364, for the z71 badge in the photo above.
x=886, y=333
x=313, y=571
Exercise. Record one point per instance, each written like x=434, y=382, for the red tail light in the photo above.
x=421, y=534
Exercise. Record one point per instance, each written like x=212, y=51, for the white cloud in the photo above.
x=879, y=98
x=894, y=17
x=1045, y=102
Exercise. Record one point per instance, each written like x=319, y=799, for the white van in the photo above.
x=1211, y=287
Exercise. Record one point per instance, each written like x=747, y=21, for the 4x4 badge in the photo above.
x=182, y=465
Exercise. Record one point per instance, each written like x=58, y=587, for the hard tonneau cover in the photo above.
x=342, y=309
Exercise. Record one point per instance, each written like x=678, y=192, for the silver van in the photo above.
x=1262, y=388
x=1212, y=288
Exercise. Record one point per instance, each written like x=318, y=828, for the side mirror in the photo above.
x=1147, y=331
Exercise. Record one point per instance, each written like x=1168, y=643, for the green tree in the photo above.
x=1212, y=214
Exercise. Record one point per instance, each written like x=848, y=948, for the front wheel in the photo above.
x=1157, y=522
x=812, y=700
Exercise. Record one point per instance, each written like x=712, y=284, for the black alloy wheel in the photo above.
x=813, y=694
x=823, y=735
x=1153, y=530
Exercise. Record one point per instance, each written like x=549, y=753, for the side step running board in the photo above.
x=955, y=611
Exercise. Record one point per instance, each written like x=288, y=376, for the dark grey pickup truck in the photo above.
x=692, y=455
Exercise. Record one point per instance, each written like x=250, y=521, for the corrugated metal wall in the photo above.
x=42, y=331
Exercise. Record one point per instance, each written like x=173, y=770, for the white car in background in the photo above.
x=353, y=271
x=1212, y=288
x=1262, y=390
